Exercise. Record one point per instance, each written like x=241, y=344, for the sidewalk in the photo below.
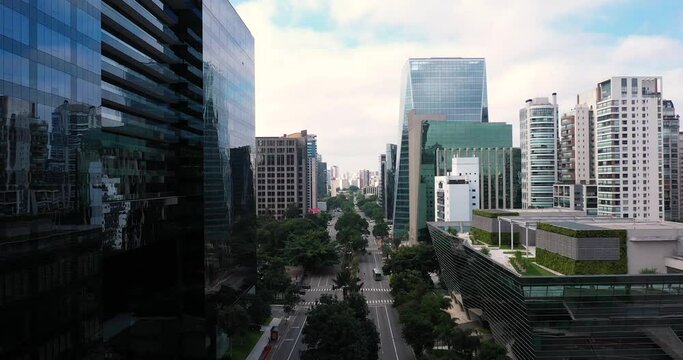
x=256, y=352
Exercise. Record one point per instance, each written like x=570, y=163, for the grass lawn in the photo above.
x=243, y=346
x=532, y=269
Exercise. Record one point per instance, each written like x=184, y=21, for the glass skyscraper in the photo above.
x=453, y=87
x=127, y=132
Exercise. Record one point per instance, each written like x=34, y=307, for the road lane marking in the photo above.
x=391, y=332
x=297, y=338
x=377, y=318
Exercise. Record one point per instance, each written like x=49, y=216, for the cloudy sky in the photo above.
x=333, y=66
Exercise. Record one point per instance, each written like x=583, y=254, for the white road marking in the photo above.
x=298, y=335
x=377, y=317
x=391, y=332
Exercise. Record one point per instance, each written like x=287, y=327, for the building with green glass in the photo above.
x=452, y=87
x=430, y=139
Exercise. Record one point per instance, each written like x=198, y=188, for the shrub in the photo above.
x=491, y=238
x=485, y=250
x=493, y=214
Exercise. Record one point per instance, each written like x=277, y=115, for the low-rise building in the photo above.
x=457, y=194
x=589, y=287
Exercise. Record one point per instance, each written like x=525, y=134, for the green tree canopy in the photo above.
x=419, y=257
x=334, y=332
x=380, y=230
x=311, y=250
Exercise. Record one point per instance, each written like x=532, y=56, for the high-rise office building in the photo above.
x=451, y=87
x=670, y=164
x=128, y=185
x=282, y=174
x=323, y=183
x=538, y=142
x=628, y=151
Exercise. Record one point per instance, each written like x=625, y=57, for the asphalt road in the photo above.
x=392, y=345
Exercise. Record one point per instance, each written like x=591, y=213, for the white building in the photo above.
x=457, y=194
x=538, y=142
x=628, y=147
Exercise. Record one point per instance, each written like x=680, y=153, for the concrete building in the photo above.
x=576, y=189
x=282, y=174
x=457, y=194
x=576, y=164
x=538, y=142
x=628, y=138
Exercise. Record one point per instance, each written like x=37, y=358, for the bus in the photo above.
x=377, y=274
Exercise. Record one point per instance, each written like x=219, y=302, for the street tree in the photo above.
x=380, y=230
x=490, y=350
x=419, y=257
x=311, y=251
x=333, y=332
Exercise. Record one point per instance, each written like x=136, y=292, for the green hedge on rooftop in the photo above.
x=570, y=266
x=493, y=214
x=492, y=238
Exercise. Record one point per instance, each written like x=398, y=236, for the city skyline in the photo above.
x=344, y=59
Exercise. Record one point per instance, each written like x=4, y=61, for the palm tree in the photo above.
x=347, y=282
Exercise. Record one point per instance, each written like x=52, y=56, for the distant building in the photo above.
x=575, y=188
x=457, y=194
x=389, y=183
x=282, y=174
x=538, y=142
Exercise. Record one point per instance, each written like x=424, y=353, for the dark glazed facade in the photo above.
x=565, y=317
x=127, y=134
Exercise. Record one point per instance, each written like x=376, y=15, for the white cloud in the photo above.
x=349, y=96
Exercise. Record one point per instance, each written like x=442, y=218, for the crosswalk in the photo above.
x=364, y=289
x=370, y=302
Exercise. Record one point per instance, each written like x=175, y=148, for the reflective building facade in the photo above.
x=453, y=87
x=127, y=130
x=564, y=317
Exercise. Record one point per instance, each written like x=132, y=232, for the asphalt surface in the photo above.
x=385, y=317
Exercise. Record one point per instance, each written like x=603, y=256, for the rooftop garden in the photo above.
x=570, y=266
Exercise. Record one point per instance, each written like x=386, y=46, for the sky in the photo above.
x=333, y=67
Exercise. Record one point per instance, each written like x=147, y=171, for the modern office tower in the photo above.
x=452, y=87
x=323, y=183
x=457, y=194
x=281, y=174
x=538, y=142
x=576, y=189
x=670, y=162
x=312, y=175
x=429, y=134
x=390, y=182
x=628, y=134
x=613, y=313
x=129, y=186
